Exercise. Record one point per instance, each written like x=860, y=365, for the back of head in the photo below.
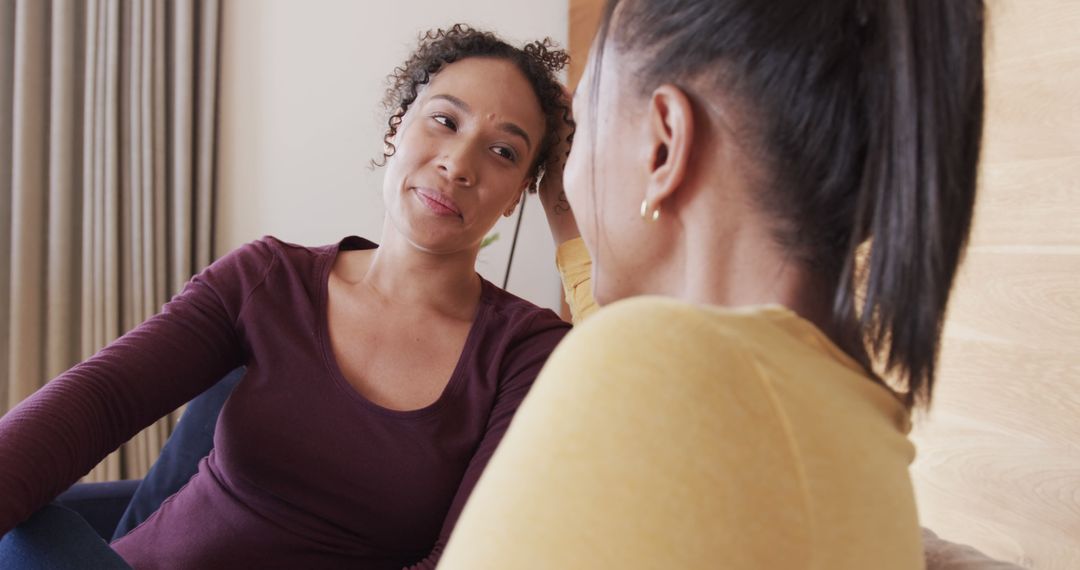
x=866, y=118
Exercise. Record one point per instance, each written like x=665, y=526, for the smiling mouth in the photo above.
x=437, y=202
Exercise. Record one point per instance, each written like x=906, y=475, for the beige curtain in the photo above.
x=107, y=133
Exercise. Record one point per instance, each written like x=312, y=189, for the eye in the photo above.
x=505, y=152
x=445, y=121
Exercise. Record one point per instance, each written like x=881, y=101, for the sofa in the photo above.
x=114, y=508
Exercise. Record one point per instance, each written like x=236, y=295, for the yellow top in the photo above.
x=662, y=434
x=575, y=269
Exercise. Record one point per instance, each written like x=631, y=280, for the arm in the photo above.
x=57, y=435
x=552, y=194
x=520, y=370
x=575, y=270
x=571, y=257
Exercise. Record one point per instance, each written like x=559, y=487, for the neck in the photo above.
x=445, y=283
x=741, y=265
x=753, y=271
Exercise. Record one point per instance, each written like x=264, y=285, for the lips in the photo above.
x=437, y=202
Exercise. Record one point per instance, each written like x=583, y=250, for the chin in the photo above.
x=433, y=244
x=428, y=234
x=437, y=242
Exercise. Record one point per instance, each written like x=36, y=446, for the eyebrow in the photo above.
x=510, y=128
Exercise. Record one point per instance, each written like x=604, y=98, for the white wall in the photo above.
x=301, y=83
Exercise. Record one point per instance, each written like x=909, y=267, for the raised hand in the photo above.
x=552, y=193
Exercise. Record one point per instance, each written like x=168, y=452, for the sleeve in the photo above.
x=623, y=456
x=575, y=270
x=520, y=371
x=58, y=434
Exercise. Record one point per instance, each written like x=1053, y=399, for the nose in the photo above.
x=456, y=165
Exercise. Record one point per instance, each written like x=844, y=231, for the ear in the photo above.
x=670, y=135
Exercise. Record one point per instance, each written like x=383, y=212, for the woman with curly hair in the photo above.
x=379, y=378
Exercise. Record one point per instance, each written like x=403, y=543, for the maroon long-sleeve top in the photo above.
x=305, y=472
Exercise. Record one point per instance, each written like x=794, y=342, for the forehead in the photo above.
x=494, y=89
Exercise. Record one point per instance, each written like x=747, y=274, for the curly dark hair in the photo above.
x=539, y=61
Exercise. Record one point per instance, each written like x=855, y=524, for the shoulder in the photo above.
x=651, y=345
x=239, y=271
x=251, y=255
x=270, y=251
x=657, y=314
x=640, y=323
x=519, y=317
x=267, y=249
x=286, y=252
x=268, y=260
x=517, y=334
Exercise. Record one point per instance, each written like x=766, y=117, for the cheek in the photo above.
x=391, y=181
x=581, y=193
x=394, y=179
x=608, y=187
x=410, y=148
x=494, y=203
x=579, y=183
x=409, y=144
x=575, y=176
x=597, y=183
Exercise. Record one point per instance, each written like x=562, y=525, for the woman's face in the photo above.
x=463, y=155
x=605, y=179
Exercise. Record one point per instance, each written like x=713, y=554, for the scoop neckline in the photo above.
x=457, y=377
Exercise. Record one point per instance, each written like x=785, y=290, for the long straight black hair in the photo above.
x=867, y=118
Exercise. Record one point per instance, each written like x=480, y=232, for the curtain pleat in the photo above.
x=161, y=247
x=107, y=146
x=65, y=188
x=7, y=74
x=138, y=450
x=89, y=136
x=183, y=62
x=206, y=131
x=29, y=182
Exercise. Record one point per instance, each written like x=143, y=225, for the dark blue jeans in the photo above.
x=56, y=538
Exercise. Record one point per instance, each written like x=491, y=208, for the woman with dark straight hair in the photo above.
x=776, y=196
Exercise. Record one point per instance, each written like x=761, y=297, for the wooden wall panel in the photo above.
x=999, y=455
x=584, y=20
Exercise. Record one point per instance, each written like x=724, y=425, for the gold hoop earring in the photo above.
x=645, y=211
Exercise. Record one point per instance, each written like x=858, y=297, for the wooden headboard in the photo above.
x=999, y=454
